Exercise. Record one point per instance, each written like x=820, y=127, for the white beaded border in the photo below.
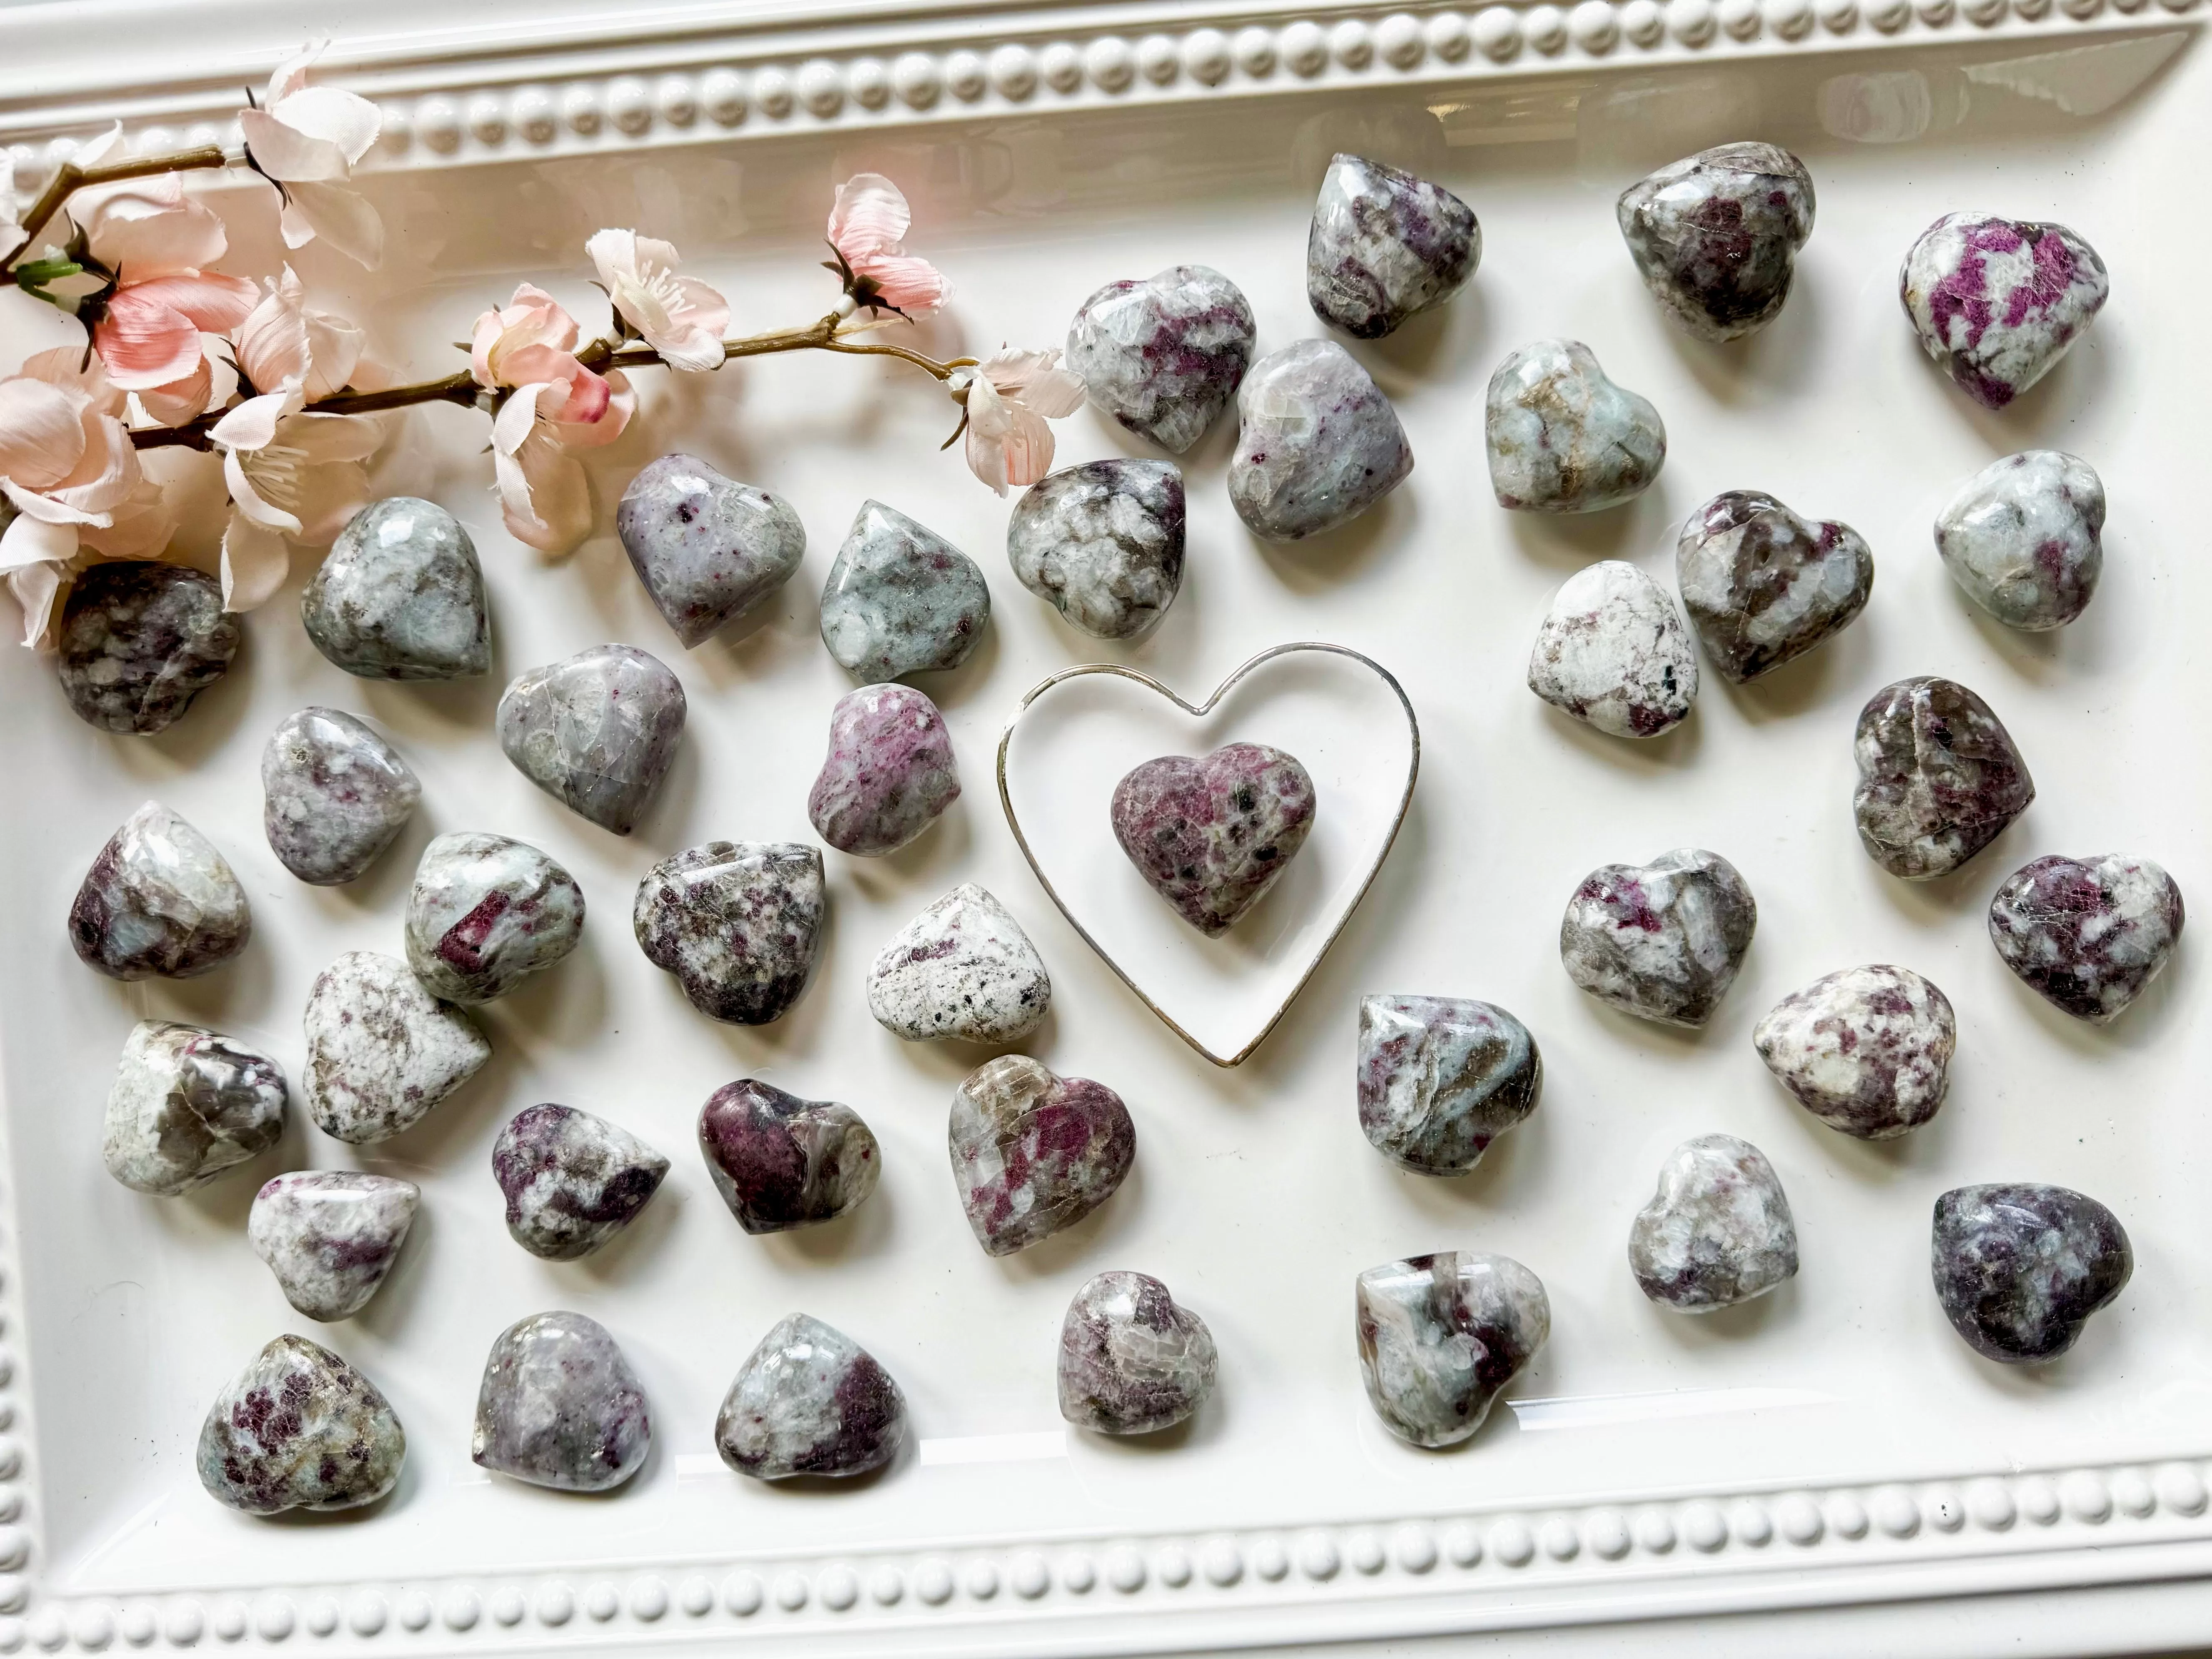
x=2095, y=1512
x=775, y=94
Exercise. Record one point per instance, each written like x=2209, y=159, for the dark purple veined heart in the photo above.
x=1212, y=835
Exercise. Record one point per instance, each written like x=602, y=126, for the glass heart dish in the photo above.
x=1076, y=735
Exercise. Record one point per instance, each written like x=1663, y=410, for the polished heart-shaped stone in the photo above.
x=1033, y=1153
x=330, y=1236
x=707, y=548
x=138, y=641
x=1562, y=438
x=485, y=912
x=1662, y=941
x=887, y=774
x=1441, y=1335
x=2020, y=1267
x=901, y=600
x=2089, y=935
x=1163, y=357
x=335, y=794
x=401, y=596
x=1717, y=1232
x=1317, y=445
x=1441, y=1078
x=2023, y=539
x=1212, y=835
x=186, y=1105
x=1131, y=1360
x=560, y=1407
x=1763, y=585
x=1867, y=1051
x=1612, y=651
x=780, y=1162
x=159, y=900
x=1997, y=301
x=299, y=1429
x=572, y=1181
x=1715, y=235
x=1939, y=777
x=1104, y=543
x=1385, y=246
x=962, y=969
x=736, y=923
x=810, y=1401
x=597, y=733
x=381, y=1050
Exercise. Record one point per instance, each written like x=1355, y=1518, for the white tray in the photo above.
x=1834, y=1444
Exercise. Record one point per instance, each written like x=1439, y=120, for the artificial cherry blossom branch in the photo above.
x=462, y=388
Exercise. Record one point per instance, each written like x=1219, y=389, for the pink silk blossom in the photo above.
x=867, y=227
x=1011, y=396
x=309, y=140
x=679, y=317
x=294, y=477
x=156, y=240
x=284, y=343
x=70, y=474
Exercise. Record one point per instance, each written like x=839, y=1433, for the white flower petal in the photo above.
x=341, y=217
x=255, y=562
x=38, y=589
x=342, y=119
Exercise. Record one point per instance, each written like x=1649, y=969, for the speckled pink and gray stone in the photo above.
x=560, y=1407
x=159, y=900
x=572, y=1181
x=780, y=1162
x=1211, y=836
x=1103, y=543
x=2023, y=539
x=401, y=596
x=1163, y=357
x=707, y=548
x=138, y=641
x=186, y=1105
x=1662, y=941
x=1385, y=246
x=2018, y=1267
x=810, y=1401
x=901, y=600
x=331, y=1236
x=299, y=1429
x=1997, y=301
x=1866, y=1050
x=962, y=969
x=1033, y=1153
x=1131, y=1360
x=1441, y=1078
x=2089, y=935
x=381, y=1050
x=1317, y=443
x=1441, y=1336
x=887, y=774
x=1717, y=1231
x=335, y=794
x=736, y=923
x=1612, y=651
x=1763, y=585
x=1562, y=438
x=1939, y=777
x=486, y=912
x=597, y=732
x=1715, y=235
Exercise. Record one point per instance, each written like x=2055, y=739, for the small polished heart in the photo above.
x=1212, y=835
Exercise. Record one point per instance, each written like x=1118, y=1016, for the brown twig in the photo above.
x=70, y=178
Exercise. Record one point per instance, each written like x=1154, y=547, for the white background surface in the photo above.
x=1253, y=1194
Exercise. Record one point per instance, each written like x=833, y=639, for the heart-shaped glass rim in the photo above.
x=1199, y=711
